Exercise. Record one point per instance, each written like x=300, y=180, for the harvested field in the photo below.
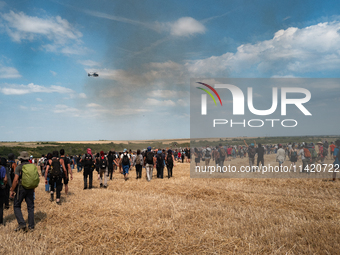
x=183, y=216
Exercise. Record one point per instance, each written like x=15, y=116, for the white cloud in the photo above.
x=88, y=63
x=53, y=73
x=23, y=27
x=155, y=102
x=82, y=95
x=39, y=99
x=152, y=72
x=186, y=26
x=127, y=111
x=61, y=108
x=93, y=105
x=32, y=88
x=65, y=38
x=293, y=50
x=169, y=93
x=9, y=72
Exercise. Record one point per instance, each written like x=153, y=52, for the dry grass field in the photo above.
x=183, y=216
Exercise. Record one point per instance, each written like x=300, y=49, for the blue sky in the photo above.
x=145, y=53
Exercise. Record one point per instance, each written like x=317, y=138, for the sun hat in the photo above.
x=24, y=155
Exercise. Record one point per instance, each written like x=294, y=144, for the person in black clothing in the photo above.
x=68, y=169
x=54, y=169
x=260, y=155
x=160, y=164
x=170, y=162
x=88, y=163
x=110, y=159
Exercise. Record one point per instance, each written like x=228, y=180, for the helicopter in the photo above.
x=93, y=74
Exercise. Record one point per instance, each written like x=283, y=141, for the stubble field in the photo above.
x=181, y=215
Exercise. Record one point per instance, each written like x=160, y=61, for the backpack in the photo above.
x=88, y=162
x=2, y=181
x=294, y=154
x=102, y=163
x=207, y=153
x=222, y=152
x=169, y=160
x=125, y=160
x=55, y=169
x=159, y=160
x=251, y=152
x=139, y=159
x=30, y=177
x=149, y=158
x=216, y=154
x=307, y=153
x=313, y=153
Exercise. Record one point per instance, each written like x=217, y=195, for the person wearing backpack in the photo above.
x=170, y=162
x=57, y=170
x=160, y=164
x=110, y=159
x=221, y=153
x=293, y=156
x=25, y=181
x=103, y=170
x=251, y=155
x=88, y=163
x=139, y=164
x=336, y=156
x=150, y=163
x=3, y=184
x=207, y=155
x=10, y=167
x=125, y=161
x=68, y=169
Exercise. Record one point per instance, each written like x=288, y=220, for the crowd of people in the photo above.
x=19, y=178
x=309, y=153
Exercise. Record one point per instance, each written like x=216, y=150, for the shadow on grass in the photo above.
x=38, y=216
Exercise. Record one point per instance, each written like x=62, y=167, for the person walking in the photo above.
x=103, y=170
x=139, y=164
x=280, y=155
x=160, y=164
x=150, y=163
x=88, y=163
x=110, y=159
x=68, y=169
x=170, y=162
x=26, y=179
x=3, y=184
x=55, y=167
x=260, y=155
x=336, y=156
x=125, y=161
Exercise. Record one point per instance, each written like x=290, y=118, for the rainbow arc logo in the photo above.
x=204, y=97
x=209, y=93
